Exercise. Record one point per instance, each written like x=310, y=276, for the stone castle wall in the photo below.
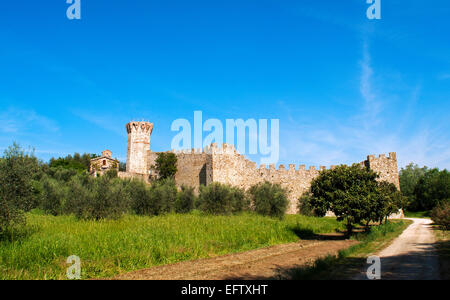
x=230, y=167
x=225, y=165
x=193, y=167
x=386, y=167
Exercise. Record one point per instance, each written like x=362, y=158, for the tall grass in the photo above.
x=109, y=247
x=348, y=261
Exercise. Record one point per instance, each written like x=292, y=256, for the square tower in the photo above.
x=137, y=147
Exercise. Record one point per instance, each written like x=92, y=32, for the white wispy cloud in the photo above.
x=372, y=129
x=19, y=121
x=372, y=105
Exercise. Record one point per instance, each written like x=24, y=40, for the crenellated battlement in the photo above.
x=224, y=164
x=385, y=166
x=137, y=146
x=143, y=127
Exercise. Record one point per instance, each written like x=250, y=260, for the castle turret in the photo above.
x=138, y=146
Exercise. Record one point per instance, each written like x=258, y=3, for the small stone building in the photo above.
x=104, y=163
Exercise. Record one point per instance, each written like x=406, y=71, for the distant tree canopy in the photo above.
x=432, y=189
x=166, y=165
x=425, y=188
x=409, y=177
x=76, y=162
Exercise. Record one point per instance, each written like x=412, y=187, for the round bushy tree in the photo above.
x=185, y=200
x=348, y=192
x=218, y=198
x=269, y=199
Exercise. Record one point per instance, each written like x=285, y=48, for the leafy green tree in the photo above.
x=17, y=194
x=157, y=199
x=306, y=209
x=409, y=177
x=269, y=199
x=349, y=192
x=166, y=165
x=77, y=162
x=431, y=189
x=97, y=198
x=387, y=200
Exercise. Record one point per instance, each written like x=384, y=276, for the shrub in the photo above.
x=140, y=197
x=441, y=214
x=269, y=199
x=99, y=198
x=219, y=199
x=240, y=200
x=155, y=200
x=54, y=195
x=164, y=195
x=111, y=174
x=185, y=200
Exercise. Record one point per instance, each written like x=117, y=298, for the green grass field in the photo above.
x=107, y=248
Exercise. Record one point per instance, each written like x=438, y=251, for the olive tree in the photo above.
x=17, y=195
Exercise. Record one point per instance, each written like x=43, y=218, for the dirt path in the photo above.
x=266, y=263
x=412, y=256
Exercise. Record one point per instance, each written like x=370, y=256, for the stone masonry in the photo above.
x=225, y=165
x=102, y=164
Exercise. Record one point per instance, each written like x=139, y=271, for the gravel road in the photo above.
x=412, y=256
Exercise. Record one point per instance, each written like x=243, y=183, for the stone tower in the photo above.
x=138, y=146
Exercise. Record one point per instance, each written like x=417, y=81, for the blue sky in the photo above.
x=341, y=85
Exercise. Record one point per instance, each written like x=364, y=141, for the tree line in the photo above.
x=63, y=186
x=427, y=190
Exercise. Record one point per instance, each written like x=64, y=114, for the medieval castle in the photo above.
x=225, y=165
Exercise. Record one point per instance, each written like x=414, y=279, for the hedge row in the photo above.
x=111, y=197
